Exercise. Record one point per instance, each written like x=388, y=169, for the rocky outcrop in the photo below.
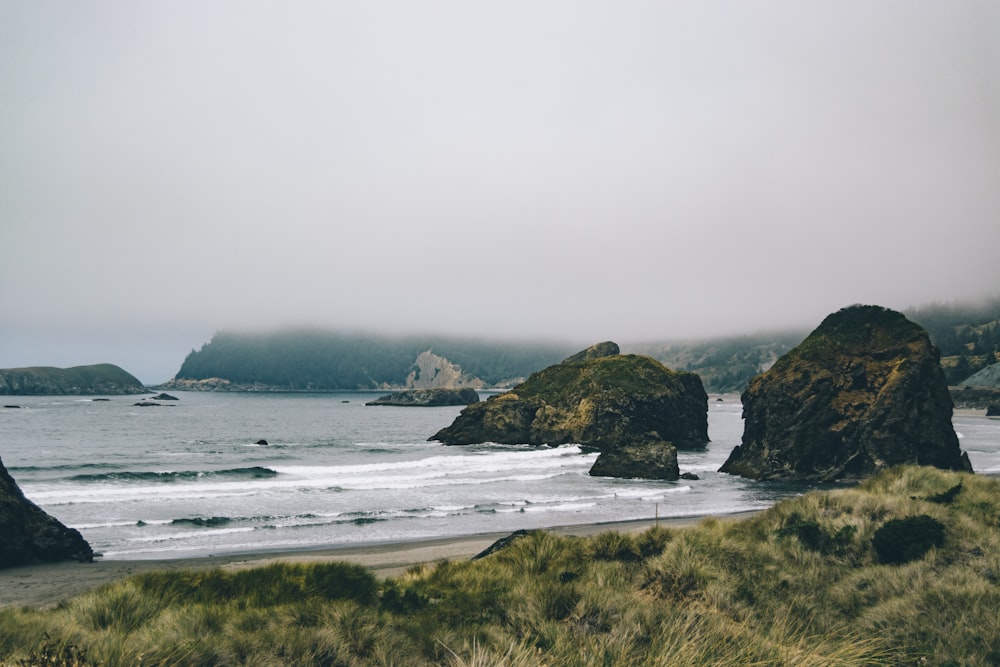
x=631, y=408
x=862, y=392
x=106, y=379
x=652, y=459
x=426, y=398
x=29, y=535
x=432, y=371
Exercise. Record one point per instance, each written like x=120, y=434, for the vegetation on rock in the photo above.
x=799, y=584
x=597, y=398
x=862, y=392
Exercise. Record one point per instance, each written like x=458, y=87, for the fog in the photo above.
x=567, y=170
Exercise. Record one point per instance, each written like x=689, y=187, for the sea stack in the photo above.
x=29, y=535
x=862, y=392
x=631, y=408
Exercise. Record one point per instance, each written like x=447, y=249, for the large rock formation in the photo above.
x=631, y=408
x=428, y=398
x=862, y=392
x=99, y=379
x=432, y=371
x=29, y=535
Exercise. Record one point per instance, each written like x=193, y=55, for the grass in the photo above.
x=800, y=584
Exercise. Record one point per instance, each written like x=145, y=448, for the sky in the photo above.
x=556, y=170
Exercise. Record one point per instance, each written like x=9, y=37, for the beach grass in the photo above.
x=803, y=583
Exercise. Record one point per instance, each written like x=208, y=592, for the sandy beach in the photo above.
x=47, y=585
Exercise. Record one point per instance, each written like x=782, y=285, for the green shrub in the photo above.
x=814, y=537
x=906, y=539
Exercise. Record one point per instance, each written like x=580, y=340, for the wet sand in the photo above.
x=47, y=585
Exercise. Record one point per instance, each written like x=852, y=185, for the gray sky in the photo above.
x=562, y=170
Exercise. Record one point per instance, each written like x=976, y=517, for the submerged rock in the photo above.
x=862, y=392
x=29, y=535
x=425, y=398
x=631, y=408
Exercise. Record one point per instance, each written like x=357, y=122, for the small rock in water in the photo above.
x=262, y=441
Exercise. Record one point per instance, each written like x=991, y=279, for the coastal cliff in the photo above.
x=95, y=380
x=864, y=391
x=631, y=408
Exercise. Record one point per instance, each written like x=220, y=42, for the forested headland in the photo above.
x=317, y=360
x=968, y=336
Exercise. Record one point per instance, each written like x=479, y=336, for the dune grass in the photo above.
x=800, y=584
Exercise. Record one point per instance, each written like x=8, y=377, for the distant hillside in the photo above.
x=968, y=335
x=316, y=360
x=724, y=364
x=99, y=379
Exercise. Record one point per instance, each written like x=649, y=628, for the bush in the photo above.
x=814, y=537
x=903, y=540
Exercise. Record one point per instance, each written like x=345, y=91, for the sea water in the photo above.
x=190, y=478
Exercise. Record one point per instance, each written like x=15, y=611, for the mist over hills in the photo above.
x=968, y=336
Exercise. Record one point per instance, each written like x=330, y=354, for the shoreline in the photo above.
x=46, y=585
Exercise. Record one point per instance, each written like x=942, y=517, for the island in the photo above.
x=94, y=380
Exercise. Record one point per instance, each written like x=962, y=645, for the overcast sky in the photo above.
x=574, y=170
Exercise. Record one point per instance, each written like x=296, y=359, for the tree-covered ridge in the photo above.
x=326, y=360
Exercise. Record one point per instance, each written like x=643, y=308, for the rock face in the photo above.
x=862, y=392
x=98, y=379
x=631, y=408
x=29, y=535
x=426, y=398
x=431, y=371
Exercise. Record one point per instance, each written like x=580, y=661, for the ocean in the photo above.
x=189, y=478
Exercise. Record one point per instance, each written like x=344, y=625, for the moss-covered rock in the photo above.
x=862, y=392
x=622, y=405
